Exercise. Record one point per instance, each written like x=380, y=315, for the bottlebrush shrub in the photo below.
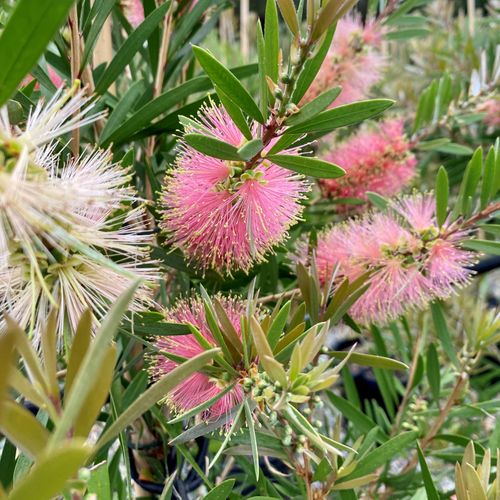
x=154, y=336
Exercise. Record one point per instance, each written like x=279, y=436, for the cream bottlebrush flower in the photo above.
x=66, y=110
x=199, y=387
x=413, y=261
x=45, y=209
x=220, y=215
x=72, y=283
x=378, y=161
x=69, y=238
x=353, y=62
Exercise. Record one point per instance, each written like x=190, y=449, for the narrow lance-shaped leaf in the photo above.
x=263, y=88
x=24, y=38
x=430, y=488
x=433, y=373
x=331, y=11
x=22, y=428
x=271, y=40
x=155, y=393
x=88, y=372
x=485, y=246
x=341, y=116
x=250, y=149
x=382, y=455
x=229, y=84
x=308, y=166
x=223, y=490
x=49, y=475
x=314, y=107
x=212, y=147
x=235, y=113
x=442, y=190
x=289, y=14
x=312, y=67
x=470, y=182
x=488, y=178
x=253, y=438
x=98, y=396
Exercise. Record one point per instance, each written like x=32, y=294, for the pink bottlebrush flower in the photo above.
x=378, y=161
x=134, y=12
x=220, y=215
x=491, y=108
x=199, y=387
x=412, y=260
x=353, y=62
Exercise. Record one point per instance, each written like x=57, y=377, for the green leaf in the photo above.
x=131, y=45
x=97, y=397
x=314, y=107
x=361, y=422
x=104, y=9
x=370, y=360
x=278, y=325
x=454, y=149
x=272, y=40
x=313, y=167
x=312, y=67
x=470, y=182
x=487, y=185
x=235, y=113
x=49, y=475
x=228, y=83
x=356, y=483
x=221, y=491
x=88, y=374
x=284, y=142
x=25, y=37
x=430, y=488
x=442, y=190
x=381, y=455
x=432, y=145
x=443, y=333
x=260, y=341
x=406, y=34
x=7, y=360
x=490, y=228
x=433, y=372
x=212, y=147
x=22, y=428
x=341, y=116
x=264, y=92
x=99, y=483
x=377, y=200
x=155, y=393
x=331, y=11
x=253, y=438
x=250, y=149
x=26, y=351
x=287, y=9
x=484, y=246
x=126, y=103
